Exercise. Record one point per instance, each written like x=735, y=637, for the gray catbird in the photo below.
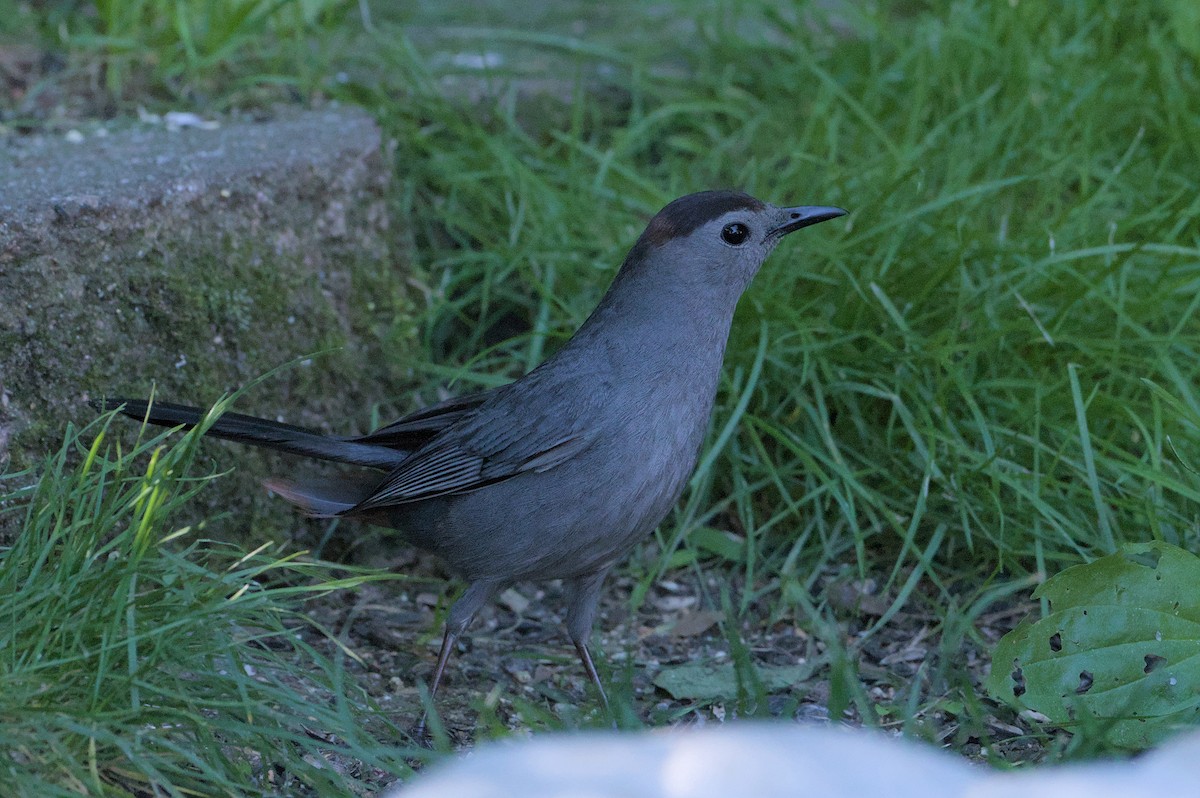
x=559, y=474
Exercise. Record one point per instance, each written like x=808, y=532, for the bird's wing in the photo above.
x=521, y=427
x=417, y=429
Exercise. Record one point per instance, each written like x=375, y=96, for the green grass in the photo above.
x=204, y=52
x=141, y=658
x=988, y=372
x=968, y=359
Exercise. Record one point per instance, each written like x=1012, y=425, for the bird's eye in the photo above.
x=735, y=234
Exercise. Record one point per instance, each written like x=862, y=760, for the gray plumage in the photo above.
x=559, y=474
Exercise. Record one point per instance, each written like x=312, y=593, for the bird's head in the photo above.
x=718, y=237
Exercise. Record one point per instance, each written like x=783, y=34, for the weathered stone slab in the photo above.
x=194, y=260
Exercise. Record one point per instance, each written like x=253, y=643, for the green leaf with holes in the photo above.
x=1119, y=653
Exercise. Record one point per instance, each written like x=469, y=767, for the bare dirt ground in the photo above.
x=516, y=671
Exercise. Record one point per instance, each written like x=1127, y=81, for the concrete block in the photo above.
x=196, y=260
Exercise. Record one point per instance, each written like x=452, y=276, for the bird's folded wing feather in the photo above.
x=504, y=437
x=417, y=429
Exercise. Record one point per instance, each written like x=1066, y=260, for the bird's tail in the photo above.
x=258, y=432
x=326, y=497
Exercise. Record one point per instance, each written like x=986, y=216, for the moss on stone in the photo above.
x=201, y=280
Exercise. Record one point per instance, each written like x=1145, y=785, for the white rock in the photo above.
x=760, y=760
x=778, y=760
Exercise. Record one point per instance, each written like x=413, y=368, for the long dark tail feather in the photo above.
x=259, y=432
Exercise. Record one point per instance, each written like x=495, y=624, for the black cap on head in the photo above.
x=684, y=215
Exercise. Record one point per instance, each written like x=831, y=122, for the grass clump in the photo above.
x=141, y=661
x=193, y=49
x=967, y=362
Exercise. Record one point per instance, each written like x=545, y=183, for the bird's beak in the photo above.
x=805, y=215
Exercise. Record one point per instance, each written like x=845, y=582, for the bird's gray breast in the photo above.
x=643, y=400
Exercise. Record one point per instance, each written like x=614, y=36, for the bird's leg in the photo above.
x=476, y=595
x=585, y=657
x=583, y=596
x=449, y=638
